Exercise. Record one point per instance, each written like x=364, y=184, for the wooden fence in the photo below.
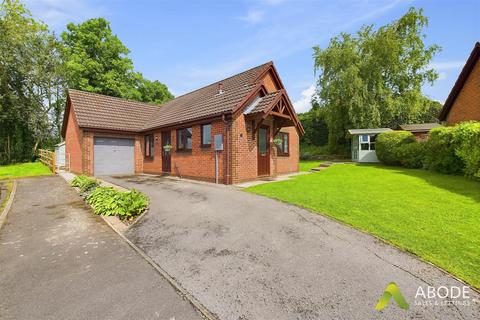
x=48, y=158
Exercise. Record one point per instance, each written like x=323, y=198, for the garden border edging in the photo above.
x=11, y=196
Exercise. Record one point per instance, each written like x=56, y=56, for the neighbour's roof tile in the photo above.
x=104, y=112
x=419, y=127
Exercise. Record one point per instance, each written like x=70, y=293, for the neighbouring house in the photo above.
x=237, y=129
x=463, y=102
x=419, y=130
x=363, y=144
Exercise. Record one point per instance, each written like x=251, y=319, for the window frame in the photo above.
x=184, y=139
x=280, y=149
x=202, y=145
x=368, y=142
x=149, y=140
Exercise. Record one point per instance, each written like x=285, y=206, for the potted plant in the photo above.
x=277, y=141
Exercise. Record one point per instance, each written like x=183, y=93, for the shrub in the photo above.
x=411, y=155
x=440, y=152
x=84, y=183
x=108, y=202
x=387, y=143
x=466, y=140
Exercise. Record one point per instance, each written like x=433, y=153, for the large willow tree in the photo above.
x=374, y=77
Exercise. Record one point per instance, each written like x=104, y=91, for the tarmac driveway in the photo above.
x=248, y=257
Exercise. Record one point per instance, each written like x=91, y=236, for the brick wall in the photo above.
x=73, y=144
x=244, y=153
x=467, y=104
x=199, y=163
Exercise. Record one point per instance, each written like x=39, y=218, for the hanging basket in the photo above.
x=277, y=141
x=167, y=147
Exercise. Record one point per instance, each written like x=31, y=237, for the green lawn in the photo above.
x=309, y=164
x=433, y=215
x=22, y=170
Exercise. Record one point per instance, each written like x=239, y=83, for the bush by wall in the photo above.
x=466, y=140
x=387, y=144
x=440, y=152
x=411, y=155
x=126, y=205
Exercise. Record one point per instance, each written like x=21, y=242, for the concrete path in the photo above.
x=248, y=257
x=59, y=261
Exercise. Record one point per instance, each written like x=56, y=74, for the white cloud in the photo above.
x=446, y=65
x=253, y=16
x=304, y=103
x=57, y=13
x=442, y=75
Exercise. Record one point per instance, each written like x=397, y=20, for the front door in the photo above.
x=166, y=151
x=263, y=151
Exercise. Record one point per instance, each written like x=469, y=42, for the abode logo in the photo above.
x=427, y=296
x=392, y=291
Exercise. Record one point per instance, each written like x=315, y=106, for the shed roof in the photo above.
x=368, y=131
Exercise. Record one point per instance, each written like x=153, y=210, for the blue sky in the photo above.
x=188, y=44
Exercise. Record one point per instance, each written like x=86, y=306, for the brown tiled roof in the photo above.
x=105, y=112
x=206, y=101
x=419, y=127
x=264, y=102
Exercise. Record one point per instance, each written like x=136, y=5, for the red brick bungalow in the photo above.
x=248, y=111
x=463, y=102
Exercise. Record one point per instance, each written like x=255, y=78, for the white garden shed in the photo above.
x=363, y=144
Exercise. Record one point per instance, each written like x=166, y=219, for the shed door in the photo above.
x=113, y=156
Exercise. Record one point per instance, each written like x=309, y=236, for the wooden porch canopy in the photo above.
x=277, y=105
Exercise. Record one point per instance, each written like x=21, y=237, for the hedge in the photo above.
x=440, y=152
x=387, y=144
x=467, y=147
x=450, y=150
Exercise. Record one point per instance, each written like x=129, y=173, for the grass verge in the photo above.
x=23, y=170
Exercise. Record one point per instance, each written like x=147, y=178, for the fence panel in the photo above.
x=48, y=158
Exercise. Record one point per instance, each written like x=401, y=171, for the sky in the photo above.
x=189, y=44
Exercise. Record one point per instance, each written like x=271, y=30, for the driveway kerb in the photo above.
x=114, y=225
x=5, y=211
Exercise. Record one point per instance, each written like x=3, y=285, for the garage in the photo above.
x=113, y=156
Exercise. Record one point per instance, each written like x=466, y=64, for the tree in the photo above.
x=97, y=61
x=316, y=130
x=374, y=78
x=31, y=83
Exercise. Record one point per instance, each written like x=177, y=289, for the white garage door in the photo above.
x=113, y=156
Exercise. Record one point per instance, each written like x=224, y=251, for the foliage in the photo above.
x=467, y=146
x=308, y=151
x=23, y=170
x=440, y=152
x=374, y=77
x=31, y=84
x=313, y=121
x=97, y=61
x=388, y=143
x=84, y=183
x=411, y=155
x=108, y=201
x=433, y=215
